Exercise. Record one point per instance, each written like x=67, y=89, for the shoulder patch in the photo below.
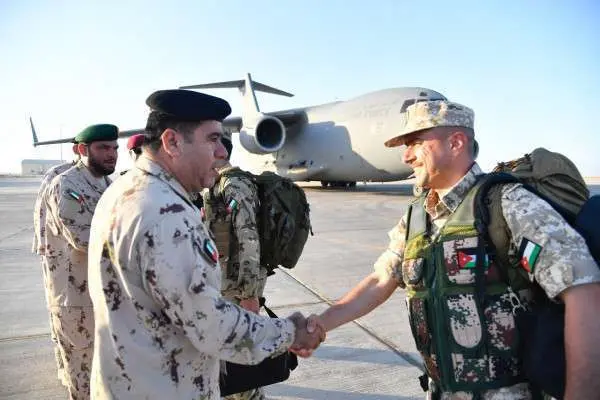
x=528, y=254
x=232, y=205
x=210, y=251
x=74, y=195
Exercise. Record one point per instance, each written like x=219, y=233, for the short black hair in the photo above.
x=159, y=121
x=228, y=146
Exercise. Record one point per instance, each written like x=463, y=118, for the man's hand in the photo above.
x=305, y=342
x=314, y=325
x=250, y=304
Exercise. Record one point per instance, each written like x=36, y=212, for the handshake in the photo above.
x=310, y=332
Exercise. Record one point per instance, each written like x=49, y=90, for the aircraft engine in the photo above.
x=262, y=135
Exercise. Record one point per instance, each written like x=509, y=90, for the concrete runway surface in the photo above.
x=372, y=358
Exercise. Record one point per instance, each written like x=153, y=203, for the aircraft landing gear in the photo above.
x=338, y=184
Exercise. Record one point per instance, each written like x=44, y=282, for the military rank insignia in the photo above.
x=231, y=206
x=74, y=195
x=210, y=251
x=528, y=254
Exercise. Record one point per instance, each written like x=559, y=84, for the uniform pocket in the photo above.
x=481, y=351
x=460, y=261
x=500, y=323
x=74, y=326
x=417, y=314
x=464, y=320
x=412, y=272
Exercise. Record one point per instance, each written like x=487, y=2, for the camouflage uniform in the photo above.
x=70, y=201
x=243, y=277
x=564, y=261
x=39, y=246
x=161, y=324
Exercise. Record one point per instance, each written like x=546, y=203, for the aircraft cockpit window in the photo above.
x=410, y=102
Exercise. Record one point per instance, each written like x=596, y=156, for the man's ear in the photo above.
x=458, y=141
x=82, y=149
x=171, y=142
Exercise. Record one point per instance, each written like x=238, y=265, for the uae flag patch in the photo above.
x=232, y=206
x=528, y=254
x=210, y=251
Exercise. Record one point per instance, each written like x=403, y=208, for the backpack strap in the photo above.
x=487, y=198
x=261, y=303
x=497, y=241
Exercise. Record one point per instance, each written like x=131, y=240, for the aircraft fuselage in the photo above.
x=343, y=141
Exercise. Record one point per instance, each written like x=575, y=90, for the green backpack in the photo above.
x=283, y=218
x=551, y=176
x=554, y=178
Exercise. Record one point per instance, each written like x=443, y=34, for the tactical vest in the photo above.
x=467, y=345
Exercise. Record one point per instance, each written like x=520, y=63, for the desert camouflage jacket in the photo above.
x=162, y=326
x=39, y=209
x=70, y=200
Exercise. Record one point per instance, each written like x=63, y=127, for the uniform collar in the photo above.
x=450, y=201
x=227, y=166
x=150, y=167
x=93, y=181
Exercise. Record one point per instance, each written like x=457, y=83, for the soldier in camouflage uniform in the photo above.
x=39, y=244
x=470, y=351
x=162, y=326
x=70, y=200
x=232, y=204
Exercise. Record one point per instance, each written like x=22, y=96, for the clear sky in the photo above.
x=529, y=69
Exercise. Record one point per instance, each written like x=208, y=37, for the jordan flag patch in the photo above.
x=528, y=254
x=467, y=258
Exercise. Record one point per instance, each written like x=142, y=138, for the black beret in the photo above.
x=96, y=133
x=187, y=105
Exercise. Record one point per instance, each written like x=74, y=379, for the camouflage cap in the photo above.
x=430, y=114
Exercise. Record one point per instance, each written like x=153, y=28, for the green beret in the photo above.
x=97, y=133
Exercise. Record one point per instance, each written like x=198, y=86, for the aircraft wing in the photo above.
x=36, y=142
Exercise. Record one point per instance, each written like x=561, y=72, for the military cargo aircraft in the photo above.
x=336, y=143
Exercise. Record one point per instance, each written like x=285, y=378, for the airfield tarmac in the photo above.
x=371, y=358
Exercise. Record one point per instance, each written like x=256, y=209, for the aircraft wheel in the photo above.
x=324, y=184
x=351, y=184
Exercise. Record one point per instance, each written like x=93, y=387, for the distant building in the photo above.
x=37, y=167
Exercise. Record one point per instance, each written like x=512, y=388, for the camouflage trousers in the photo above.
x=57, y=355
x=53, y=337
x=254, y=394
x=74, y=329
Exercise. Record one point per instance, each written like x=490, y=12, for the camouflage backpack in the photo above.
x=554, y=178
x=283, y=218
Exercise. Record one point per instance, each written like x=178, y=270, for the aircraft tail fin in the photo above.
x=247, y=87
x=33, y=133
